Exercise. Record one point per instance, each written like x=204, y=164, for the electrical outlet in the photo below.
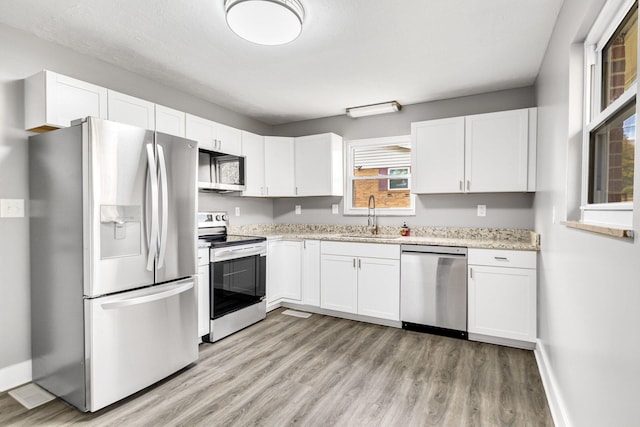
x=298, y=209
x=334, y=209
x=12, y=208
x=482, y=210
x=237, y=211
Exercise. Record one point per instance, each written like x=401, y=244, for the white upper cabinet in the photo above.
x=483, y=153
x=318, y=165
x=214, y=136
x=279, y=166
x=201, y=130
x=496, y=151
x=437, y=156
x=229, y=139
x=123, y=108
x=253, y=151
x=170, y=121
x=54, y=101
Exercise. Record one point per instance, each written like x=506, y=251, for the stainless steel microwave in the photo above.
x=220, y=171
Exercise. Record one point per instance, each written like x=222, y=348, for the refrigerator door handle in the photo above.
x=165, y=205
x=153, y=180
x=147, y=298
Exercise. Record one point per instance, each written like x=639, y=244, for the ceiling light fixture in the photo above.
x=266, y=22
x=370, y=110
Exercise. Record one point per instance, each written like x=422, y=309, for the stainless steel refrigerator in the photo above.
x=113, y=260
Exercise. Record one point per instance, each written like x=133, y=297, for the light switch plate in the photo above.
x=12, y=208
x=298, y=209
x=334, y=209
x=482, y=210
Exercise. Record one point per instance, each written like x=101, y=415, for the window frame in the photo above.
x=615, y=214
x=349, y=177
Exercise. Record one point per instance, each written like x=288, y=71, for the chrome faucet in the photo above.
x=372, y=221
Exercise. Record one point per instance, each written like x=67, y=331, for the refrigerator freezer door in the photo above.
x=118, y=197
x=177, y=173
x=137, y=338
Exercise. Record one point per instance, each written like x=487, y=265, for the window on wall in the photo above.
x=379, y=167
x=611, y=53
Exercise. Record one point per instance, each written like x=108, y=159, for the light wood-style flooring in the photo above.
x=325, y=371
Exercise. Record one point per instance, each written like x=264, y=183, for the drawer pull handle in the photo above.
x=501, y=258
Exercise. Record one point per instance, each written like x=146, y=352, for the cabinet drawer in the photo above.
x=203, y=256
x=371, y=250
x=502, y=258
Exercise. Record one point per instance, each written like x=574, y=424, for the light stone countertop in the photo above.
x=486, y=238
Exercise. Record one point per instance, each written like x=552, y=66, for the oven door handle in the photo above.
x=253, y=250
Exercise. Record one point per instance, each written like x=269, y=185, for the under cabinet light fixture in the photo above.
x=266, y=22
x=370, y=110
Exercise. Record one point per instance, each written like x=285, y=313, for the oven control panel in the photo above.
x=213, y=219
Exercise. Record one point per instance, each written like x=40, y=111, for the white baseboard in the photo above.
x=15, y=375
x=554, y=397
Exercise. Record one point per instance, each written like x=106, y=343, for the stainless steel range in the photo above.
x=238, y=266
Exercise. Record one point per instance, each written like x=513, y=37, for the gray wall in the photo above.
x=503, y=210
x=22, y=56
x=589, y=286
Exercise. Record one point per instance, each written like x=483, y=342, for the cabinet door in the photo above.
x=497, y=151
x=279, y=169
x=201, y=130
x=170, y=121
x=437, y=156
x=502, y=302
x=54, y=101
x=229, y=139
x=379, y=288
x=202, y=294
x=131, y=111
x=311, y=273
x=284, y=262
x=339, y=283
x=318, y=165
x=253, y=150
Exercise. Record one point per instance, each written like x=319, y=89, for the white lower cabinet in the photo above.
x=311, y=273
x=361, y=278
x=284, y=270
x=502, y=295
x=202, y=292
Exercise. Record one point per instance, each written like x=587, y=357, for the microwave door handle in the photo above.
x=152, y=241
x=162, y=171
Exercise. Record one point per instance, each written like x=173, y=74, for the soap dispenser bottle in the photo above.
x=404, y=231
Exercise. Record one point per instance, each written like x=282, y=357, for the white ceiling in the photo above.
x=350, y=53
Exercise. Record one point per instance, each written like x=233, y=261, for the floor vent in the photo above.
x=295, y=313
x=30, y=396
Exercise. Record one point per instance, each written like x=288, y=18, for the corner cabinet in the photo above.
x=318, y=165
x=502, y=297
x=361, y=278
x=284, y=271
x=279, y=160
x=483, y=153
x=53, y=101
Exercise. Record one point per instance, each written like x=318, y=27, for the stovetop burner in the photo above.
x=219, y=241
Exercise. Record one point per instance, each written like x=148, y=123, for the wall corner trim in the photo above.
x=556, y=404
x=15, y=375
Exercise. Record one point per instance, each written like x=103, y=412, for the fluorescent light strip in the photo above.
x=370, y=110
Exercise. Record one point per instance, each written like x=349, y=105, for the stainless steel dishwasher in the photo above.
x=433, y=289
